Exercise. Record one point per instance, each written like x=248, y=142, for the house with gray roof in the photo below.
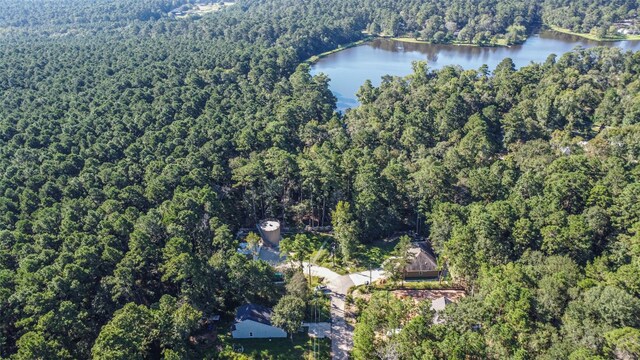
x=438, y=306
x=254, y=321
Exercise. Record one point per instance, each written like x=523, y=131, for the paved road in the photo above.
x=341, y=330
x=319, y=330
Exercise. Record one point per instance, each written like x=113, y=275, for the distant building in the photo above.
x=422, y=263
x=254, y=321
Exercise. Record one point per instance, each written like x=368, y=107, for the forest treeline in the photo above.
x=131, y=153
x=36, y=15
x=439, y=21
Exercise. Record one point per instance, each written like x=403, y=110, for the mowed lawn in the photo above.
x=266, y=349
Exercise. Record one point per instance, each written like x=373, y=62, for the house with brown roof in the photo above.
x=422, y=263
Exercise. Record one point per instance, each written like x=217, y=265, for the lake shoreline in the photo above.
x=593, y=37
x=454, y=43
x=315, y=58
x=374, y=57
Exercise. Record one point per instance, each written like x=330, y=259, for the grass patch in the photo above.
x=410, y=40
x=267, y=349
x=337, y=266
x=499, y=42
x=593, y=37
x=416, y=285
x=376, y=253
x=315, y=281
x=368, y=256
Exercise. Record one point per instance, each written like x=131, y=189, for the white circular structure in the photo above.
x=270, y=231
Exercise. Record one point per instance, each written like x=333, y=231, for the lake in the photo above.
x=348, y=69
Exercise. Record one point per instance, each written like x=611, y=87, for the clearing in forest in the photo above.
x=199, y=9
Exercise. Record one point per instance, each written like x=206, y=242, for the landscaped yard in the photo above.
x=431, y=284
x=319, y=250
x=266, y=349
x=369, y=256
x=377, y=252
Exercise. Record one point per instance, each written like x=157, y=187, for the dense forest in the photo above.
x=532, y=206
x=586, y=16
x=133, y=145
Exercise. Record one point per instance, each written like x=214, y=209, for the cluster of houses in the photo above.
x=627, y=27
x=199, y=8
x=254, y=321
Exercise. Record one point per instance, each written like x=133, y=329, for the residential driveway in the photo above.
x=340, y=285
x=319, y=271
x=341, y=331
x=270, y=255
x=319, y=330
x=364, y=276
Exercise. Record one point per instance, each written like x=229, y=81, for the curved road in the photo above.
x=341, y=330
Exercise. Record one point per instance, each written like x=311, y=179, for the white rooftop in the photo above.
x=269, y=225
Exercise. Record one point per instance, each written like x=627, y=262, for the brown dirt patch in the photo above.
x=421, y=295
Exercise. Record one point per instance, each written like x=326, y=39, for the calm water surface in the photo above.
x=348, y=69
